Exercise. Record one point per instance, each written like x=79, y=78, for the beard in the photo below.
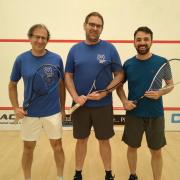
x=92, y=37
x=144, y=50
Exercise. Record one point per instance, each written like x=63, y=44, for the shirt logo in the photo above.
x=48, y=71
x=101, y=58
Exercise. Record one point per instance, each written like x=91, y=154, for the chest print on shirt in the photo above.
x=101, y=58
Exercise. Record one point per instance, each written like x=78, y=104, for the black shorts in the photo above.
x=100, y=118
x=153, y=128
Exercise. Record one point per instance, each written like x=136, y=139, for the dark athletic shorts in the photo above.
x=100, y=118
x=153, y=128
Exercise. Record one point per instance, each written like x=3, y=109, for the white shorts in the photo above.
x=31, y=127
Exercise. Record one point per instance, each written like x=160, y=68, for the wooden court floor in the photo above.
x=44, y=168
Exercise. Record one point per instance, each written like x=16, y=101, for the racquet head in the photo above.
x=167, y=71
x=103, y=81
x=44, y=81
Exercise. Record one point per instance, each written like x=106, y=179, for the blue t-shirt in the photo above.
x=139, y=75
x=25, y=66
x=85, y=61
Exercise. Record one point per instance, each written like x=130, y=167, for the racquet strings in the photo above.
x=45, y=80
x=102, y=80
x=167, y=71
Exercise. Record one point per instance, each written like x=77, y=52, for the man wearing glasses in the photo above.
x=46, y=111
x=84, y=60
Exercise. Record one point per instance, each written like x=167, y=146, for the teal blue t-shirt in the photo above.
x=139, y=75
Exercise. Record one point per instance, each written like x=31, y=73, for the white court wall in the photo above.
x=65, y=18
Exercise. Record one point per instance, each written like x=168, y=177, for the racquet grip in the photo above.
x=73, y=108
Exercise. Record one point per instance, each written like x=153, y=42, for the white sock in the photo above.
x=59, y=178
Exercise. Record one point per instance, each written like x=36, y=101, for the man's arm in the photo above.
x=72, y=90
x=13, y=96
x=157, y=94
x=118, y=77
x=62, y=95
x=128, y=105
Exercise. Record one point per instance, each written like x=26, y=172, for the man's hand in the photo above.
x=153, y=94
x=96, y=96
x=80, y=99
x=63, y=115
x=129, y=105
x=19, y=113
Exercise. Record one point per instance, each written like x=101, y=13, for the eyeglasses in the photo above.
x=36, y=37
x=93, y=25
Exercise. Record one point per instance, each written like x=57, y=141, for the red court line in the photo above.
x=76, y=41
x=115, y=108
x=165, y=108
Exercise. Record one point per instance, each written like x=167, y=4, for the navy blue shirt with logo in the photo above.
x=25, y=66
x=85, y=61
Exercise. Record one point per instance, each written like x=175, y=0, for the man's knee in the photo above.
x=82, y=141
x=29, y=147
x=56, y=145
x=156, y=153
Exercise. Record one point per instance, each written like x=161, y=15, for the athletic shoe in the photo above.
x=109, y=177
x=133, y=177
x=77, y=178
